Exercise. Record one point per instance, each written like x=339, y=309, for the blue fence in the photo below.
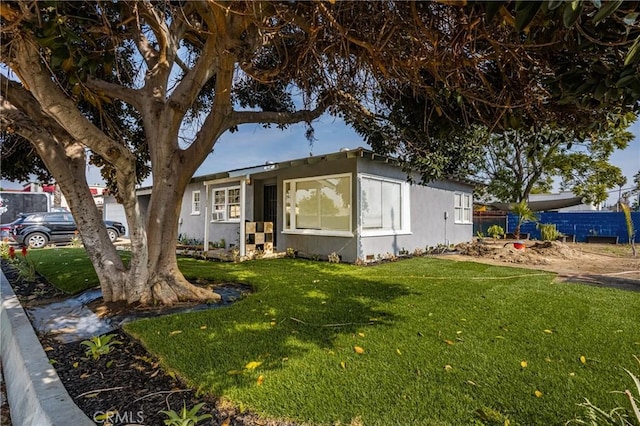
x=581, y=224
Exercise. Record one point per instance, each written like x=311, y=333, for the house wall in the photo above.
x=320, y=245
x=193, y=225
x=428, y=205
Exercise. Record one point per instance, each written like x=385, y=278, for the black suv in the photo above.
x=36, y=230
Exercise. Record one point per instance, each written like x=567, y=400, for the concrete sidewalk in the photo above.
x=35, y=393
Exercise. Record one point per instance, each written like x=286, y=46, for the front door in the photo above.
x=270, y=208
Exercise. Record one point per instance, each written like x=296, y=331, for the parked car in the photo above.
x=36, y=230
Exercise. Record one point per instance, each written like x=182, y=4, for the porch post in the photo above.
x=206, y=218
x=243, y=197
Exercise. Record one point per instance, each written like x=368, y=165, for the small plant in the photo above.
x=100, y=345
x=76, y=241
x=548, y=231
x=291, y=252
x=235, y=254
x=185, y=417
x=524, y=214
x=618, y=416
x=334, y=257
x=496, y=232
x=403, y=252
x=4, y=249
x=315, y=257
x=418, y=252
x=390, y=257
x=480, y=235
x=26, y=267
x=630, y=231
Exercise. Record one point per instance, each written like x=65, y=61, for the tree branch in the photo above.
x=306, y=115
x=55, y=104
x=117, y=91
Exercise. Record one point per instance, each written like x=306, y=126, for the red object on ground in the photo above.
x=519, y=245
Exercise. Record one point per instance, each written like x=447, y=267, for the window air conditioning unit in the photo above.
x=218, y=215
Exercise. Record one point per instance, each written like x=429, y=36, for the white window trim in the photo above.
x=225, y=218
x=463, y=196
x=320, y=232
x=405, y=193
x=195, y=212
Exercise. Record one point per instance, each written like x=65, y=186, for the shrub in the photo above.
x=548, y=231
x=496, y=232
x=26, y=268
x=334, y=257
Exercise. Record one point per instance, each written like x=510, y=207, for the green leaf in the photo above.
x=633, y=53
x=607, y=9
x=554, y=4
x=492, y=9
x=525, y=12
x=625, y=81
x=571, y=13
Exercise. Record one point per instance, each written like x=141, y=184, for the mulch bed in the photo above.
x=128, y=381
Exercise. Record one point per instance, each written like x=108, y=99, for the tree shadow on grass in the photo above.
x=298, y=307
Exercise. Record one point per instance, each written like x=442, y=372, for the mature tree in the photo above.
x=213, y=66
x=518, y=162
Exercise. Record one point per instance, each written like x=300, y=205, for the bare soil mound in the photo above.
x=598, y=264
x=540, y=253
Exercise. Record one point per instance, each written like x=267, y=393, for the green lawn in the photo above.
x=441, y=341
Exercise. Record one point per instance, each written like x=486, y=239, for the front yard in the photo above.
x=420, y=341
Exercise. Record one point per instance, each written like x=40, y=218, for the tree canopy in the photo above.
x=97, y=75
x=518, y=162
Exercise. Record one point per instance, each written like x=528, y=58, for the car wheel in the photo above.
x=37, y=240
x=113, y=234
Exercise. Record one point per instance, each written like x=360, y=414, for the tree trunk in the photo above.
x=164, y=281
x=153, y=275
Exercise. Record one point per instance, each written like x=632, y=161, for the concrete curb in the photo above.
x=35, y=393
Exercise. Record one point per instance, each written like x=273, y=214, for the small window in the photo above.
x=226, y=205
x=195, y=202
x=462, y=208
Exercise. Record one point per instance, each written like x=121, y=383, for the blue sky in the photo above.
x=254, y=145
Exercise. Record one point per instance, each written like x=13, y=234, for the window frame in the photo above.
x=405, y=207
x=465, y=206
x=227, y=204
x=289, y=218
x=194, y=211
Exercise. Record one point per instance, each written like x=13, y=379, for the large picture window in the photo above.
x=319, y=205
x=462, y=208
x=384, y=206
x=226, y=204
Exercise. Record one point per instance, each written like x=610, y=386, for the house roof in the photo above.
x=269, y=166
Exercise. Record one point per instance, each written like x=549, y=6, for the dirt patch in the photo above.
x=597, y=264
